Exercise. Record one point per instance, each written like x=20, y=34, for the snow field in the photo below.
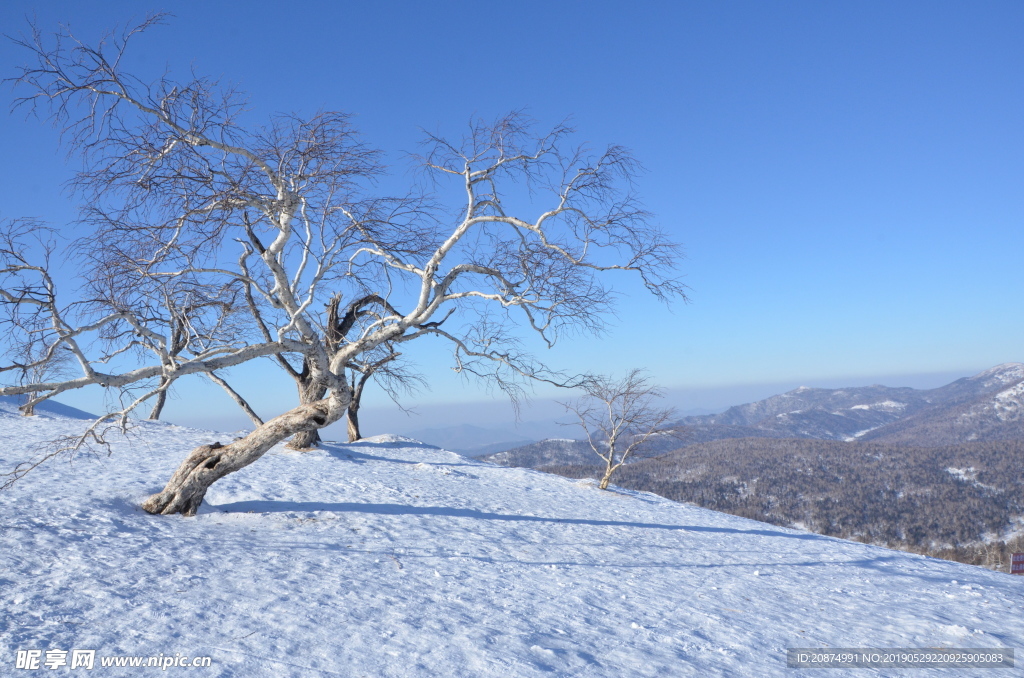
x=392, y=558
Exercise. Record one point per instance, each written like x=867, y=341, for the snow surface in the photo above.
x=47, y=408
x=393, y=558
x=965, y=474
x=1009, y=404
x=1002, y=374
x=885, y=405
x=858, y=434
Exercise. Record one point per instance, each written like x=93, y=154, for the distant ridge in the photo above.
x=984, y=408
x=545, y=452
x=933, y=471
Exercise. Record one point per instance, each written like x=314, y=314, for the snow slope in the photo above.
x=392, y=558
x=47, y=408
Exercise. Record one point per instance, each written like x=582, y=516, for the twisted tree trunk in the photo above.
x=310, y=391
x=311, y=388
x=207, y=464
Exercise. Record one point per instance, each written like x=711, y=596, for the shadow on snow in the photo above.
x=268, y=506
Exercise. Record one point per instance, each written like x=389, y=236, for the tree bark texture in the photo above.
x=310, y=391
x=207, y=464
x=158, y=406
x=352, y=415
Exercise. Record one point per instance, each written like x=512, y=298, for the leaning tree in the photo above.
x=213, y=242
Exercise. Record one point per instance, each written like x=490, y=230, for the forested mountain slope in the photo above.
x=956, y=501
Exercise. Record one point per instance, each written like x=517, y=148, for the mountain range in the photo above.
x=986, y=407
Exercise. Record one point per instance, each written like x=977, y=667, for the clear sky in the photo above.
x=847, y=178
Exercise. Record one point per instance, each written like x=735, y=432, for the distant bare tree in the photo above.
x=38, y=356
x=272, y=223
x=619, y=416
x=39, y=363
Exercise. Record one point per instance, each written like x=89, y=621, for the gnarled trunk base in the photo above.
x=186, y=489
x=304, y=440
x=310, y=391
x=207, y=464
x=28, y=408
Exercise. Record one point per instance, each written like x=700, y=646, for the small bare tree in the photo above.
x=619, y=416
x=274, y=222
x=38, y=363
x=38, y=357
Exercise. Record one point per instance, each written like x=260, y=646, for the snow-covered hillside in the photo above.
x=391, y=558
x=47, y=408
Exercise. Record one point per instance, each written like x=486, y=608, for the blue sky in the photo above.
x=847, y=178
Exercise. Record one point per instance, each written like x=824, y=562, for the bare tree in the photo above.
x=619, y=416
x=38, y=356
x=36, y=363
x=379, y=363
x=188, y=314
x=383, y=364
x=280, y=216
x=387, y=370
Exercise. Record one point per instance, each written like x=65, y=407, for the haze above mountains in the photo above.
x=988, y=406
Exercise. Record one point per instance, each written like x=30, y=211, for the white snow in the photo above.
x=1002, y=374
x=965, y=474
x=882, y=405
x=970, y=475
x=393, y=558
x=1009, y=404
x=858, y=434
